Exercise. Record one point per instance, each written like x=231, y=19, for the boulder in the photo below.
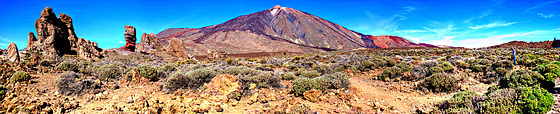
x=149, y=43
x=312, y=95
x=176, y=48
x=223, y=84
x=30, y=40
x=56, y=37
x=13, y=54
x=130, y=37
x=217, y=54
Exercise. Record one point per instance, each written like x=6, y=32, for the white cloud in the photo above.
x=540, y=5
x=546, y=16
x=492, y=25
x=409, y=9
x=411, y=31
x=484, y=14
x=122, y=42
x=493, y=40
x=413, y=39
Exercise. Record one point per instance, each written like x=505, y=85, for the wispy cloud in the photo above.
x=540, y=5
x=494, y=39
x=484, y=14
x=546, y=16
x=440, y=28
x=492, y=25
x=411, y=31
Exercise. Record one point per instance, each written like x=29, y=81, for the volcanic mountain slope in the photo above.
x=278, y=29
x=523, y=44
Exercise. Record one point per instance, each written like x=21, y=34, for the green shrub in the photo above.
x=148, y=72
x=265, y=67
x=3, y=91
x=391, y=63
x=406, y=67
x=69, y=83
x=287, y=76
x=478, y=68
x=501, y=101
x=506, y=64
x=539, y=61
x=535, y=100
x=262, y=80
x=521, y=78
x=550, y=72
x=303, y=84
x=68, y=66
x=324, y=69
x=20, y=76
x=366, y=66
x=501, y=71
x=437, y=69
x=464, y=101
x=446, y=66
x=338, y=80
x=463, y=65
x=440, y=83
x=391, y=72
x=168, y=67
x=191, y=80
x=310, y=74
x=109, y=71
x=344, y=67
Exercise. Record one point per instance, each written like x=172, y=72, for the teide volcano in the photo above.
x=277, y=29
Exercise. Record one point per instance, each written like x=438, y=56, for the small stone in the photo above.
x=98, y=108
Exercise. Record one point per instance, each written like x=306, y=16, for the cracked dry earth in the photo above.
x=365, y=95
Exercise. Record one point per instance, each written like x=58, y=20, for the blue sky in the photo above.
x=474, y=23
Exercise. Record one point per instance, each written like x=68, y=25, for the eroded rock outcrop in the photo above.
x=149, y=43
x=31, y=39
x=56, y=37
x=13, y=54
x=130, y=37
x=177, y=48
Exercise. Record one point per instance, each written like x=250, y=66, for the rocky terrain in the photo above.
x=165, y=74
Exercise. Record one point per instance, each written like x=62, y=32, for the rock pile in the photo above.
x=56, y=37
x=217, y=54
x=130, y=37
x=13, y=54
x=149, y=43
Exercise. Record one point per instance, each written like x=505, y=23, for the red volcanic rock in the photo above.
x=13, y=54
x=148, y=43
x=523, y=44
x=56, y=37
x=387, y=41
x=130, y=37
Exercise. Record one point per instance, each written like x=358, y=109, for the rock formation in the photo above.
x=177, y=48
x=31, y=39
x=13, y=54
x=149, y=43
x=130, y=37
x=56, y=37
x=217, y=54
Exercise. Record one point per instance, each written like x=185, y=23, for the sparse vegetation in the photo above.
x=440, y=82
x=20, y=76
